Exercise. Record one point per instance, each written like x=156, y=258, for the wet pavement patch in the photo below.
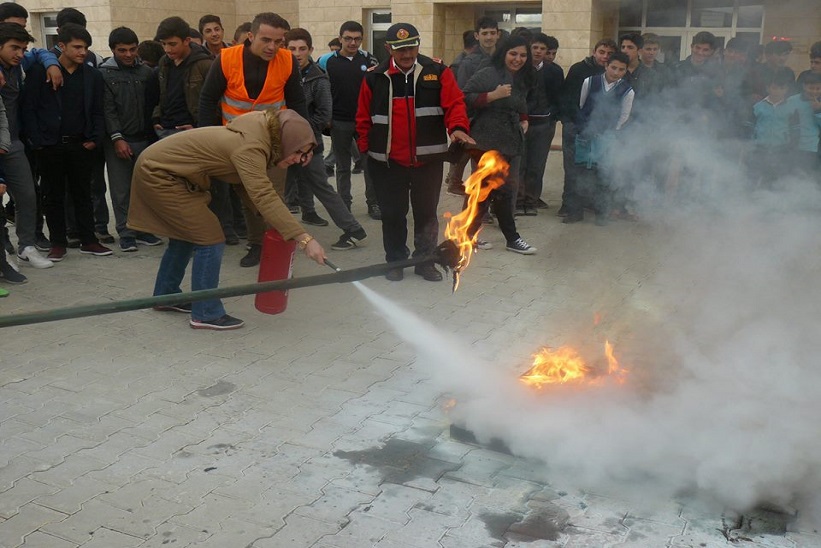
x=462, y=434
x=400, y=461
x=218, y=389
x=543, y=523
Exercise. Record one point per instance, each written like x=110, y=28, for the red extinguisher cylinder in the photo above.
x=276, y=263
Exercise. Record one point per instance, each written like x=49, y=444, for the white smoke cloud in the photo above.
x=727, y=400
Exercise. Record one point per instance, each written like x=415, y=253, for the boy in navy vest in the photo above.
x=605, y=104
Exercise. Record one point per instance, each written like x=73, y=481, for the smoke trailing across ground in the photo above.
x=736, y=417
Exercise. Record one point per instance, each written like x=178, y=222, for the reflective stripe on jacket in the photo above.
x=235, y=101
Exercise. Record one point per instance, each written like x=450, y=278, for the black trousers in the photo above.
x=398, y=187
x=66, y=170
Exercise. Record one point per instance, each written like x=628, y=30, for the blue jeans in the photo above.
x=205, y=274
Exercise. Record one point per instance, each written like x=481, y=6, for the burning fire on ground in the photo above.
x=488, y=176
x=564, y=365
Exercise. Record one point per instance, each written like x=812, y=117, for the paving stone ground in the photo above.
x=316, y=427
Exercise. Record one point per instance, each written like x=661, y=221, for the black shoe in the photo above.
x=531, y=211
x=349, y=240
x=519, y=211
x=224, y=323
x=541, y=204
x=374, y=212
x=429, y=272
x=394, y=275
x=8, y=273
x=41, y=243
x=104, y=237
x=562, y=212
x=573, y=218
x=313, y=219
x=357, y=168
x=456, y=189
x=252, y=257
x=73, y=242
x=231, y=239
x=293, y=209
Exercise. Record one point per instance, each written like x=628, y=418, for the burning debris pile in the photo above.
x=564, y=365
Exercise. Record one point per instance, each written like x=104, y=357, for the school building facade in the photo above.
x=577, y=24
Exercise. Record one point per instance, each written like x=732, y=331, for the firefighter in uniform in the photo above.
x=408, y=105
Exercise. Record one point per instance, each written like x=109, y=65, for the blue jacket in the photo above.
x=42, y=108
x=774, y=124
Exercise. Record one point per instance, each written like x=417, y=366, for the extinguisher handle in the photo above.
x=332, y=266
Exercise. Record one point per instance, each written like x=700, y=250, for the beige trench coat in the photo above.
x=169, y=188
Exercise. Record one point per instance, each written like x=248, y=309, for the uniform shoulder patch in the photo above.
x=438, y=60
x=430, y=77
x=371, y=68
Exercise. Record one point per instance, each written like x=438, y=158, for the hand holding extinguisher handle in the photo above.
x=314, y=251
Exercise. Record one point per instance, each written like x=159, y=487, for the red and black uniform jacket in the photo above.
x=406, y=118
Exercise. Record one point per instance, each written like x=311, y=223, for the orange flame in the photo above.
x=564, y=365
x=492, y=171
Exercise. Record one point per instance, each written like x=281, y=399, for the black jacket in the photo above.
x=543, y=99
x=572, y=88
x=42, y=108
x=124, y=100
x=346, y=78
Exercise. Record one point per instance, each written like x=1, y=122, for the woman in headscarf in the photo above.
x=170, y=195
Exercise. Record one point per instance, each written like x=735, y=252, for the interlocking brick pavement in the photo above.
x=315, y=427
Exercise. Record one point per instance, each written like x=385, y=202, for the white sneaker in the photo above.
x=31, y=256
x=12, y=260
x=482, y=244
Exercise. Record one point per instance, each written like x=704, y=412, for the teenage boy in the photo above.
x=776, y=54
x=14, y=39
x=181, y=75
x=807, y=104
x=697, y=75
x=542, y=113
x=257, y=75
x=126, y=80
x=98, y=181
x=312, y=180
x=605, y=103
x=773, y=135
x=815, y=64
x=64, y=127
x=568, y=114
x=486, y=34
x=212, y=33
x=346, y=69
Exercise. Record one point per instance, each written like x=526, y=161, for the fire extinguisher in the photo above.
x=276, y=263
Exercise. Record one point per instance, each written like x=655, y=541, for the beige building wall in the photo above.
x=578, y=24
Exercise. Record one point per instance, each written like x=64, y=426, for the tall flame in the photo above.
x=489, y=175
x=564, y=365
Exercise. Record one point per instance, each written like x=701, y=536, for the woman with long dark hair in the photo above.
x=496, y=96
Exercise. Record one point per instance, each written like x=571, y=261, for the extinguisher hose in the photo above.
x=444, y=256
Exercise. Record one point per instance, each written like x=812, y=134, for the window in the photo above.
x=49, y=29
x=509, y=18
x=379, y=21
x=677, y=21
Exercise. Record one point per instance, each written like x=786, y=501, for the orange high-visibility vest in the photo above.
x=235, y=100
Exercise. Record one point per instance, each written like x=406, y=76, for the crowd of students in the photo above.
x=79, y=117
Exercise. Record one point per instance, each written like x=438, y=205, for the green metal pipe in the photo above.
x=340, y=276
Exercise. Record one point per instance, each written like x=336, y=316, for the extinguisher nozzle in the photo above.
x=332, y=266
